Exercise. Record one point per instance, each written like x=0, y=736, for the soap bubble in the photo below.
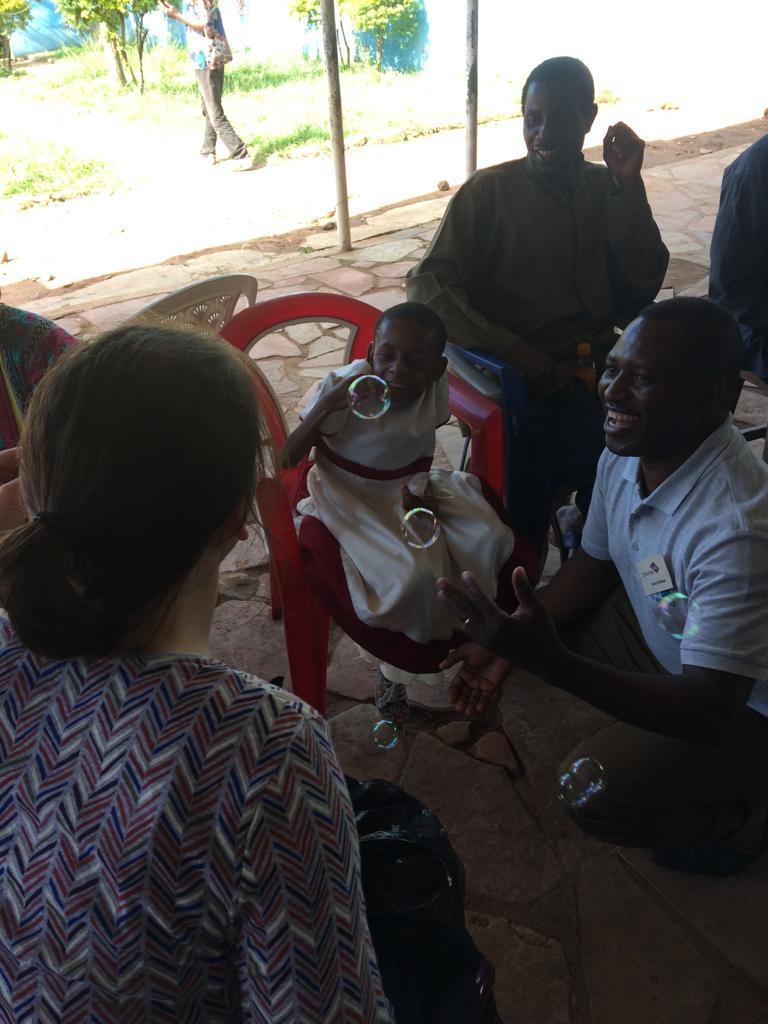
x=369, y=397
x=421, y=528
x=386, y=733
x=678, y=615
x=581, y=781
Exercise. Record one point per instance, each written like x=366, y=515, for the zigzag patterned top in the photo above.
x=176, y=845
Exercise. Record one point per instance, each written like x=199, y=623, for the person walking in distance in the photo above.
x=209, y=51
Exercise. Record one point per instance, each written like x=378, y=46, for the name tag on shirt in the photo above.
x=654, y=575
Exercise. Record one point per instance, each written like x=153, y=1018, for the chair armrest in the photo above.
x=510, y=391
x=464, y=366
x=513, y=394
x=485, y=419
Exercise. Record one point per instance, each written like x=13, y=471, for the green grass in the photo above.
x=54, y=173
x=76, y=64
x=261, y=147
x=251, y=77
x=275, y=108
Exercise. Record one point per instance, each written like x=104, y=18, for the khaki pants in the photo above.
x=660, y=791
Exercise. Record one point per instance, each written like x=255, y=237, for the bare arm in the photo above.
x=301, y=440
x=172, y=12
x=698, y=705
x=578, y=587
x=639, y=257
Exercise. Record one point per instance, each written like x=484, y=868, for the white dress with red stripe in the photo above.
x=355, y=492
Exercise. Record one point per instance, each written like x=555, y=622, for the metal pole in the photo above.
x=337, y=125
x=472, y=47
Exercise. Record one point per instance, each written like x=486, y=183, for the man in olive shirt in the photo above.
x=538, y=254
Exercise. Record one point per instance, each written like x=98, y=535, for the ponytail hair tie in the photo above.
x=53, y=522
x=47, y=519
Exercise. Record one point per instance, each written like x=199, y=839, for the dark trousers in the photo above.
x=566, y=434
x=661, y=791
x=211, y=83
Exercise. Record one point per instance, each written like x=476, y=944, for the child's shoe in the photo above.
x=391, y=701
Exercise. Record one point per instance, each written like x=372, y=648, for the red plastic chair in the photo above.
x=305, y=621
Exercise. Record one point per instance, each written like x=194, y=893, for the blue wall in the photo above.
x=45, y=31
x=407, y=55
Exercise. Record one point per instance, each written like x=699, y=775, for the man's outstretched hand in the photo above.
x=526, y=638
x=623, y=152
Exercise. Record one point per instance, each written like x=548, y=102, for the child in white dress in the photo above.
x=367, y=474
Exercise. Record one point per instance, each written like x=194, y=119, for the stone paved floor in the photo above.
x=580, y=933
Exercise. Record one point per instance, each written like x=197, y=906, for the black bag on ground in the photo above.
x=414, y=891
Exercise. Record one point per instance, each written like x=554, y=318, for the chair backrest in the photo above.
x=205, y=306
x=270, y=408
x=245, y=329
x=305, y=623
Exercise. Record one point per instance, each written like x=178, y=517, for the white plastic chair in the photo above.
x=205, y=306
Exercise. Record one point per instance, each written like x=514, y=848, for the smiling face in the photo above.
x=407, y=357
x=654, y=405
x=554, y=126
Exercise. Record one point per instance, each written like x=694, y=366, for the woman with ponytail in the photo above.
x=176, y=839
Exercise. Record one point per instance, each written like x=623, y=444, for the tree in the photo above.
x=383, y=18
x=309, y=10
x=112, y=18
x=379, y=17
x=139, y=9
x=14, y=15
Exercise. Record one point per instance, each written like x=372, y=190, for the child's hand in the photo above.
x=411, y=500
x=337, y=398
x=479, y=679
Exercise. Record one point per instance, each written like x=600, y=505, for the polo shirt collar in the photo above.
x=670, y=495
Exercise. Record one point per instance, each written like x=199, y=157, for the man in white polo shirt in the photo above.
x=679, y=653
